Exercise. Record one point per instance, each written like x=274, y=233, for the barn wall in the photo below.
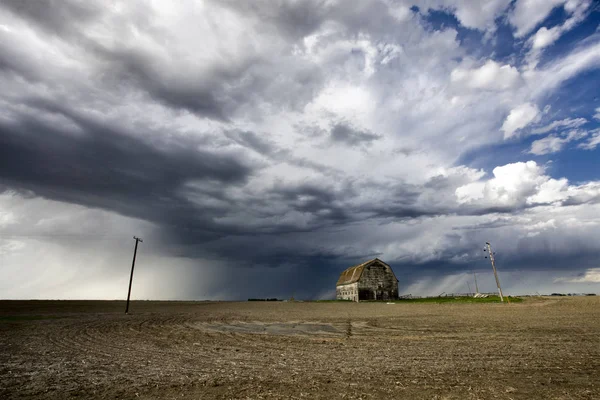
x=347, y=292
x=377, y=282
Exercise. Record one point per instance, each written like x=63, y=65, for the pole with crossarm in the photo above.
x=491, y=254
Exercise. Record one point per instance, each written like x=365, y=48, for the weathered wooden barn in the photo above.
x=371, y=280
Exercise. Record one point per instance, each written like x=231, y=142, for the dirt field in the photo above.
x=538, y=349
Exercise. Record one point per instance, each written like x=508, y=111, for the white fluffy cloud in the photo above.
x=511, y=185
x=527, y=14
x=592, y=142
x=556, y=72
x=547, y=145
x=519, y=118
x=477, y=15
x=555, y=143
x=524, y=184
x=545, y=37
x=567, y=123
x=490, y=76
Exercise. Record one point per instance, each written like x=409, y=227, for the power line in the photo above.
x=137, y=240
x=491, y=254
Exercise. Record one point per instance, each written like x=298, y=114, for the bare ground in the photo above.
x=538, y=349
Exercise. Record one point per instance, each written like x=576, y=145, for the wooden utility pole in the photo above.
x=491, y=254
x=137, y=240
x=476, y=287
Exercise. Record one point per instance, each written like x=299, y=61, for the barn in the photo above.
x=371, y=280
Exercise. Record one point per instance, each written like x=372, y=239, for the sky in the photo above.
x=260, y=148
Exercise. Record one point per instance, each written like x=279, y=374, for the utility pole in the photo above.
x=475, y=276
x=491, y=253
x=137, y=240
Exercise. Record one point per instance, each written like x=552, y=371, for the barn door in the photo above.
x=379, y=292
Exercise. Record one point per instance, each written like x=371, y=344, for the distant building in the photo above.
x=371, y=280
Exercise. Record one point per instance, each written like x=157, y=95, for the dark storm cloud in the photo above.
x=268, y=148
x=56, y=17
x=199, y=93
x=496, y=223
x=102, y=167
x=106, y=166
x=294, y=19
x=253, y=141
x=216, y=89
x=403, y=202
x=317, y=201
x=12, y=63
x=297, y=19
x=349, y=135
x=16, y=61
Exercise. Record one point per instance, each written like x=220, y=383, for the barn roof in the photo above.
x=353, y=274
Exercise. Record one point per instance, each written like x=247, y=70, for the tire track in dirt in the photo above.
x=125, y=341
x=150, y=340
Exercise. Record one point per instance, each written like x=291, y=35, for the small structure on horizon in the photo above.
x=371, y=280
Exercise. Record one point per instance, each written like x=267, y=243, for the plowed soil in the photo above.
x=538, y=349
